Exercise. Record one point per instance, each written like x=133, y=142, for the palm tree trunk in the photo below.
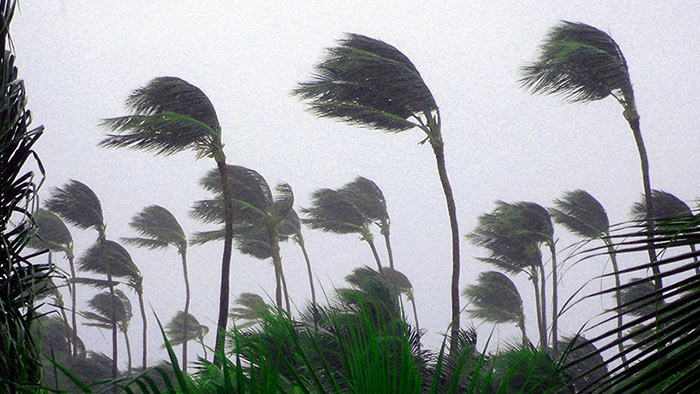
x=538, y=309
x=438, y=149
x=618, y=299
x=74, y=340
x=521, y=326
x=633, y=120
x=187, y=310
x=300, y=242
x=277, y=262
x=113, y=317
x=225, y=264
x=375, y=254
x=415, y=313
x=284, y=289
x=144, y=327
x=555, y=302
x=128, y=352
x=543, y=302
x=387, y=242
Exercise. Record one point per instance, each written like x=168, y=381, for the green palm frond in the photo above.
x=331, y=211
x=494, y=299
x=283, y=200
x=78, y=205
x=52, y=233
x=367, y=82
x=249, y=310
x=178, y=336
x=580, y=63
x=158, y=229
x=664, y=206
x=291, y=227
x=169, y=115
x=117, y=260
x=367, y=197
x=399, y=280
x=581, y=214
x=101, y=314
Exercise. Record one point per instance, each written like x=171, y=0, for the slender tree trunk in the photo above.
x=183, y=254
x=300, y=242
x=74, y=340
x=204, y=349
x=225, y=265
x=538, y=310
x=284, y=290
x=543, y=301
x=521, y=326
x=277, y=262
x=415, y=313
x=113, y=317
x=128, y=352
x=144, y=327
x=387, y=242
x=439, y=151
x=618, y=299
x=633, y=120
x=59, y=304
x=555, y=301
x=375, y=254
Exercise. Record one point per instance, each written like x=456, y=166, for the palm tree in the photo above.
x=403, y=286
x=370, y=83
x=54, y=235
x=666, y=206
x=108, y=307
x=259, y=215
x=193, y=332
x=369, y=199
x=251, y=308
x=513, y=240
x=170, y=115
x=292, y=226
x=332, y=211
x=585, y=64
x=584, y=216
x=78, y=205
x=159, y=229
x=496, y=299
x=112, y=260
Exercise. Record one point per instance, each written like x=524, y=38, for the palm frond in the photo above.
x=52, y=233
x=367, y=197
x=78, y=205
x=251, y=307
x=193, y=330
x=331, y=211
x=158, y=229
x=102, y=303
x=664, y=206
x=494, y=298
x=367, y=82
x=169, y=115
x=580, y=63
x=283, y=200
x=581, y=214
x=117, y=260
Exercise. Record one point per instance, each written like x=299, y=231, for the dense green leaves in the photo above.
x=494, y=298
x=78, y=205
x=581, y=214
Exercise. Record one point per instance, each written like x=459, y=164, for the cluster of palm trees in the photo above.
x=366, y=82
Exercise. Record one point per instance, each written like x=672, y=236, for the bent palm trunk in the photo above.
x=225, y=265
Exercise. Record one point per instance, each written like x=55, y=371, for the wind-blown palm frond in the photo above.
x=251, y=307
x=195, y=331
x=158, y=229
x=78, y=205
x=495, y=299
x=367, y=197
x=581, y=214
x=665, y=206
x=52, y=233
x=169, y=115
x=579, y=62
x=102, y=315
x=367, y=82
x=117, y=260
x=333, y=212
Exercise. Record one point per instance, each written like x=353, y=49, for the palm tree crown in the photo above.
x=78, y=205
x=158, y=229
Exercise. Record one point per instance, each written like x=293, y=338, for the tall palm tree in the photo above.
x=513, y=240
x=584, y=216
x=158, y=229
x=369, y=199
x=108, y=307
x=78, y=205
x=585, y=64
x=54, y=235
x=370, y=83
x=194, y=331
x=292, y=226
x=170, y=115
x=259, y=215
x=113, y=261
x=494, y=298
x=666, y=207
x=332, y=211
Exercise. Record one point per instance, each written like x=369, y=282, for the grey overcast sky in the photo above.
x=81, y=59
